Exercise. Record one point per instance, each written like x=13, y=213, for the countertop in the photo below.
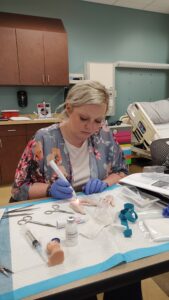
x=34, y=120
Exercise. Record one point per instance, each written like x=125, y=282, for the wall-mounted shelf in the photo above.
x=140, y=65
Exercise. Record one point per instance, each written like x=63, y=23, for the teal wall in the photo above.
x=101, y=33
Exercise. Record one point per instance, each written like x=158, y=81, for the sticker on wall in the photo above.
x=44, y=110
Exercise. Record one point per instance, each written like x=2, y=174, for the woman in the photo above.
x=83, y=148
x=81, y=145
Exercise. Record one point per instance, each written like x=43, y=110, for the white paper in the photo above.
x=155, y=182
x=158, y=229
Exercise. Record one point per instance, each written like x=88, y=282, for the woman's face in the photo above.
x=85, y=120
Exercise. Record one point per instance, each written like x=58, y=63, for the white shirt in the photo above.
x=79, y=158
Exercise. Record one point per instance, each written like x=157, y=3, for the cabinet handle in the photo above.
x=48, y=78
x=43, y=79
x=11, y=129
x=0, y=143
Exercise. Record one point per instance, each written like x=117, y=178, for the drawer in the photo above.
x=12, y=130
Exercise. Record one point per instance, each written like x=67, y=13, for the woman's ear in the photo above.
x=68, y=108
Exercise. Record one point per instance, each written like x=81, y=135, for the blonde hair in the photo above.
x=87, y=92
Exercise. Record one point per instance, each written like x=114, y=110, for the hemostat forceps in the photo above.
x=28, y=219
x=56, y=208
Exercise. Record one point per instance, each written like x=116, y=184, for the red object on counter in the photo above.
x=6, y=114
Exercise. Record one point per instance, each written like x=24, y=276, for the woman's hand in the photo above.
x=61, y=189
x=114, y=178
x=94, y=185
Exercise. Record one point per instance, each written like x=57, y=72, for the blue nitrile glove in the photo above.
x=61, y=189
x=94, y=185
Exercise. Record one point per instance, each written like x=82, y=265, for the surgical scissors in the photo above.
x=21, y=211
x=28, y=219
x=56, y=208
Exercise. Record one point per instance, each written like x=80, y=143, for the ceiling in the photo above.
x=160, y=6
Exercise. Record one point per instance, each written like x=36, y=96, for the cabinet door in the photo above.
x=30, y=56
x=9, y=73
x=32, y=128
x=56, y=58
x=12, y=144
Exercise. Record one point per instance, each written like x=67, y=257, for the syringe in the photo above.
x=35, y=243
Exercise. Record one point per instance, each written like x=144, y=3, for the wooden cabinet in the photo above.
x=13, y=140
x=30, y=57
x=40, y=55
x=9, y=72
x=47, y=64
x=56, y=58
x=12, y=144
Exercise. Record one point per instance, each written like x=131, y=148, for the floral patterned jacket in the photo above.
x=105, y=157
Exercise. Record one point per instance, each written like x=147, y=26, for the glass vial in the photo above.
x=71, y=232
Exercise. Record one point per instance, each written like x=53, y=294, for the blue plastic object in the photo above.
x=128, y=206
x=165, y=212
x=127, y=232
x=55, y=240
x=128, y=214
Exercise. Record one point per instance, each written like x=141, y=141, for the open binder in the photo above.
x=156, y=184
